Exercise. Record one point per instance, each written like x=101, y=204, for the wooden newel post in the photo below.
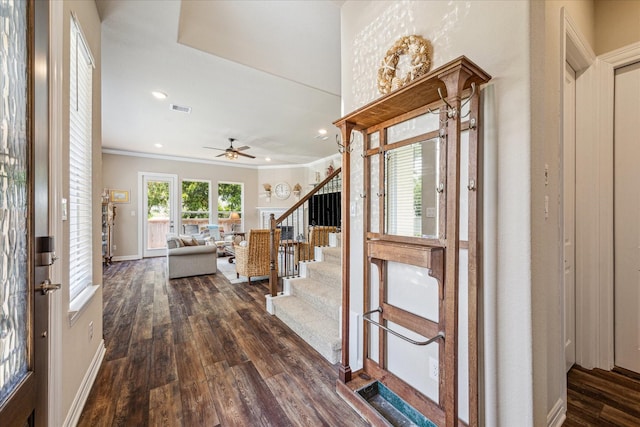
x=273, y=251
x=345, y=228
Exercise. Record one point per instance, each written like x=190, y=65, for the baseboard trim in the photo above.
x=127, y=258
x=73, y=416
x=557, y=415
x=269, y=306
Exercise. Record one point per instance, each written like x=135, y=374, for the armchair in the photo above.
x=253, y=259
x=318, y=236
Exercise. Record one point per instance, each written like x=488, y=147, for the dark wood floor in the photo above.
x=602, y=398
x=202, y=352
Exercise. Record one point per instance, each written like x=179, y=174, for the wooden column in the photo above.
x=346, y=128
x=273, y=245
x=473, y=186
x=454, y=82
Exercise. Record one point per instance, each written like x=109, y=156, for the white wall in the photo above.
x=305, y=175
x=77, y=349
x=121, y=172
x=494, y=35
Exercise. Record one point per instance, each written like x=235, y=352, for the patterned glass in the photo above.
x=13, y=195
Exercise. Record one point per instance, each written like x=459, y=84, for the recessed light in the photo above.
x=157, y=145
x=268, y=159
x=159, y=95
x=322, y=131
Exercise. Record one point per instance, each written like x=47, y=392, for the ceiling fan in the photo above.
x=232, y=153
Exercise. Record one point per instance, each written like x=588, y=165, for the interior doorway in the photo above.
x=569, y=216
x=626, y=214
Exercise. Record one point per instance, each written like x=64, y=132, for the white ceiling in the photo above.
x=264, y=72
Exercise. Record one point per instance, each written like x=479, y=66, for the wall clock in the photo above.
x=282, y=191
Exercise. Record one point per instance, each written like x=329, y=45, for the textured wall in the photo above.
x=495, y=36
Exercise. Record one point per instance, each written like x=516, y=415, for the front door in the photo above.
x=24, y=155
x=160, y=212
x=626, y=214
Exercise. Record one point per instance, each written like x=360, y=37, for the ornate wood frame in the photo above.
x=443, y=88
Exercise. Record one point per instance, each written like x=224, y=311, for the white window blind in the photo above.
x=403, y=194
x=80, y=223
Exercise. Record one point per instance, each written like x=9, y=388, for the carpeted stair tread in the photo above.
x=312, y=308
x=325, y=298
x=318, y=330
x=324, y=272
x=332, y=255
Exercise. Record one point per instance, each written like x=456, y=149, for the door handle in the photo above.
x=46, y=287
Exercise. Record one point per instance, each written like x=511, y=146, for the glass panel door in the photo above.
x=160, y=212
x=24, y=182
x=14, y=291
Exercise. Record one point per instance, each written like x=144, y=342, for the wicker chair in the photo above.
x=318, y=236
x=254, y=259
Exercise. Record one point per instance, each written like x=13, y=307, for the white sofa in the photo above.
x=189, y=260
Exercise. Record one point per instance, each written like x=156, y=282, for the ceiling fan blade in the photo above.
x=247, y=155
x=214, y=148
x=244, y=147
x=220, y=155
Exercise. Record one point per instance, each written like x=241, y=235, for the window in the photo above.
x=196, y=204
x=80, y=178
x=230, y=206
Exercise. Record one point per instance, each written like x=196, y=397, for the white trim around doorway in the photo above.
x=606, y=66
x=141, y=203
x=56, y=57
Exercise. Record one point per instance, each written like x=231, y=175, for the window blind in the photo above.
x=80, y=178
x=403, y=195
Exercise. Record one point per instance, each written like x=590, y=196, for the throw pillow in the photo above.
x=174, y=242
x=188, y=241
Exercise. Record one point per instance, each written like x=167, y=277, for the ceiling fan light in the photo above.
x=231, y=155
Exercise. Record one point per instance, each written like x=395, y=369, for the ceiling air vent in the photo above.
x=180, y=108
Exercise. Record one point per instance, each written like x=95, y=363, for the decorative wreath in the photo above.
x=420, y=50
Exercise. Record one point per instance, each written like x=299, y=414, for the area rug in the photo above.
x=229, y=271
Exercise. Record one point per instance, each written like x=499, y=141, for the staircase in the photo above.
x=310, y=304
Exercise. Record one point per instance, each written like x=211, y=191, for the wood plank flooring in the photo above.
x=602, y=398
x=200, y=351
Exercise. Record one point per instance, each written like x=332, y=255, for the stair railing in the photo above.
x=321, y=206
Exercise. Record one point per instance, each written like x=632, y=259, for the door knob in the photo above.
x=46, y=286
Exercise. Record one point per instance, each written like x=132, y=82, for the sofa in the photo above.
x=187, y=256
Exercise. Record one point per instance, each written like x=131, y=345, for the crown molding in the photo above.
x=214, y=162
